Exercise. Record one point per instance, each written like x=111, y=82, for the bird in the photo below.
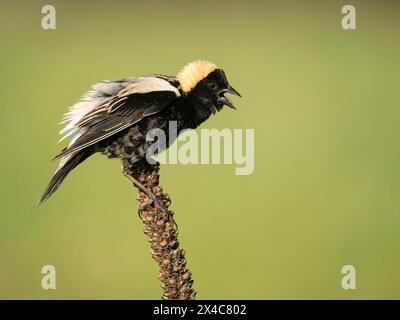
x=114, y=116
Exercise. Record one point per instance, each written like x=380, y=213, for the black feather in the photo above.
x=103, y=123
x=61, y=173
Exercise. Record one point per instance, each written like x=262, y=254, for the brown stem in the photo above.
x=160, y=227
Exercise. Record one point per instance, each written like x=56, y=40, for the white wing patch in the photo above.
x=102, y=92
x=148, y=84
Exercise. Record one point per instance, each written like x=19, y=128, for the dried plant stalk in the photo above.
x=161, y=228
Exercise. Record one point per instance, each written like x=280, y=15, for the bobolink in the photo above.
x=114, y=116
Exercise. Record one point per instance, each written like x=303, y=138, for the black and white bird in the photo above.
x=114, y=116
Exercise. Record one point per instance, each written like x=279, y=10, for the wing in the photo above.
x=99, y=94
x=138, y=98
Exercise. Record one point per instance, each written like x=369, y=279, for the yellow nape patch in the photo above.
x=193, y=73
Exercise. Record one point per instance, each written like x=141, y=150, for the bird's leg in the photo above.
x=142, y=188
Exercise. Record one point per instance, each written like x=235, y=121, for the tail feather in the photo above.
x=59, y=176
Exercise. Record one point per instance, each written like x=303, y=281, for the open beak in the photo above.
x=226, y=101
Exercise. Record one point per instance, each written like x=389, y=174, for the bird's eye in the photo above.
x=212, y=85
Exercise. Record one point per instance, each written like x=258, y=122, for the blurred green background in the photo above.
x=324, y=103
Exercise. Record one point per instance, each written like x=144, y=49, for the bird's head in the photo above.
x=208, y=83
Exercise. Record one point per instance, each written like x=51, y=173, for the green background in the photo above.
x=324, y=103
